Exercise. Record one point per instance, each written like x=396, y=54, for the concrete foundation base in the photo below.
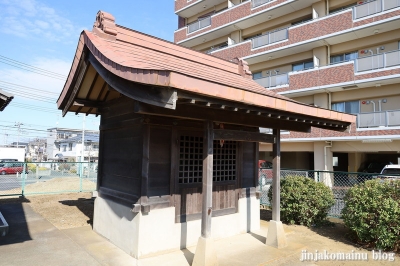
x=276, y=235
x=143, y=235
x=205, y=253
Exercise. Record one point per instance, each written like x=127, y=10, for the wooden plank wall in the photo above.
x=122, y=148
x=159, y=161
x=248, y=164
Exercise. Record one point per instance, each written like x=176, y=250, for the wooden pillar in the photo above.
x=205, y=253
x=276, y=181
x=207, y=179
x=276, y=235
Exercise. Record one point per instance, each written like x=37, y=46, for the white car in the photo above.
x=391, y=171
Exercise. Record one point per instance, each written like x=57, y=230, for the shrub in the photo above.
x=303, y=201
x=372, y=212
x=64, y=166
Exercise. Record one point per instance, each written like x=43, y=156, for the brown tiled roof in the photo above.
x=145, y=59
x=5, y=99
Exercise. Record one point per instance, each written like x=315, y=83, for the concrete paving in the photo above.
x=33, y=240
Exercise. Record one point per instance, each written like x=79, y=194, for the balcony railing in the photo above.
x=379, y=119
x=388, y=59
x=255, y=3
x=373, y=7
x=201, y=23
x=270, y=37
x=273, y=81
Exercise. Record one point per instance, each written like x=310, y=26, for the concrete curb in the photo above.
x=3, y=226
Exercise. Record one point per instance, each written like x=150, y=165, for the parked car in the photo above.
x=264, y=172
x=370, y=168
x=391, y=171
x=12, y=168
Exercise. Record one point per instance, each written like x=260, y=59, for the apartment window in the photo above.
x=351, y=107
x=344, y=57
x=64, y=147
x=257, y=75
x=70, y=146
x=302, y=66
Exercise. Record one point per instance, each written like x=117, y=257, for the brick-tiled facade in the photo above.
x=322, y=38
x=312, y=30
x=351, y=132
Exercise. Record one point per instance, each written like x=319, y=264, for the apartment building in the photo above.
x=336, y=54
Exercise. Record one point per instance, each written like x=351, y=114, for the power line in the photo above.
x=26, y=67
x=26, y=87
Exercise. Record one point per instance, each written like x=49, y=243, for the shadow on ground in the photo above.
x=13, y=212
x=86, y=206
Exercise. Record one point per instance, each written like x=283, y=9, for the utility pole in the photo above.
x=18, y=124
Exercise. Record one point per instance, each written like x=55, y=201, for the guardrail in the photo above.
x=19, y=178
x=270, y=37
x=199, y=24
x=255, y=3
x=273, y=81
x=378, y=119
x=373, y=7
x=377, y=61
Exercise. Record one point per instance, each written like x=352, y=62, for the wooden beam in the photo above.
x=221, y=115
x=236, y=135
x=159, y=96
x=82, y=71
x=207, y=179
x=87, y=103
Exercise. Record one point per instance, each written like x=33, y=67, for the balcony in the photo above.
x=378, y=119
x=199, y=24
x=269, y=37
x=332, y=29
x=273, y=80
x=385, y=60
x=242, y=16
x=373, y=7
x=362, y=72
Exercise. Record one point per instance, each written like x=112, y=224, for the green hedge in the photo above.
x=372, y=212
x=304, y=201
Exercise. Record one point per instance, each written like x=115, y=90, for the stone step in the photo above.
x=3, y=226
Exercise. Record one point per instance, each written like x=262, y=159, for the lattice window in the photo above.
x=191, y=160
x=224, y=163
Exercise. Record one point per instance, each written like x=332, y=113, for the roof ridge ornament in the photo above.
x=243, y=68
x=104, y=26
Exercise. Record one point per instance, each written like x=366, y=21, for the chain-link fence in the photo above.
x=17, y=178
x=339, y=182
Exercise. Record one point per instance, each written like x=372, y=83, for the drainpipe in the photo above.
x=373, y=103
x=325, y=153
x=329, y=100
x=327, y=7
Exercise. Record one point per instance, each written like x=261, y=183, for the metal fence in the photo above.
x=18, y=178
x=199, y=24
x=273, y=80
x=270, y=37
x=378, y=61
x=338, y=182
x=373, y=7
x=255, y=3
x=376, y=119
